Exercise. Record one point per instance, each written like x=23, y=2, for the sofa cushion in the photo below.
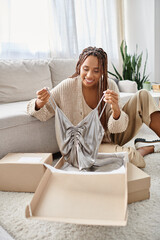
x=14, y=114
x=61, y=69
x=23, y=133
x=127, y=86
x=20, y=79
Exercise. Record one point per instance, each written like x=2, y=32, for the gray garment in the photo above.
x=102, y=163
x=108, y=163
x=79, y=144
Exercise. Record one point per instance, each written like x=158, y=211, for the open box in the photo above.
x=22, y=172
x=97, y=198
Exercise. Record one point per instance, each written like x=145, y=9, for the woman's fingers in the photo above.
x=110, y=93
x=42, y=94
x=42, y=98
x=110, y=96
x=42, y=91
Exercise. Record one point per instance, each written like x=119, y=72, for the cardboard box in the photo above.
x=138, y=184
x=22, y=172
x=81, y=197
x=156, y=87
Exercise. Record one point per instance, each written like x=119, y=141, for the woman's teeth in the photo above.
x=88, y=81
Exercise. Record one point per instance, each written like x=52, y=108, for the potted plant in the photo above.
x=131, y=67
x=147, y=85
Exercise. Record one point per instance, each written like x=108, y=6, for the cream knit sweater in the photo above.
x=69, y=98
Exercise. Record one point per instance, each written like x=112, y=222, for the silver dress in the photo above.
x=79, y=144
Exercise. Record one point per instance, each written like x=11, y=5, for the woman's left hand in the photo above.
x=111, y=97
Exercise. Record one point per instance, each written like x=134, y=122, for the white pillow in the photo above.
x=20, y=79
x=62, y=69
x=127, y=86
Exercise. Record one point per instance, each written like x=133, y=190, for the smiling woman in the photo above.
x=84, y=91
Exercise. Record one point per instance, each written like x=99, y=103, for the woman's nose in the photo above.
x=89, y=74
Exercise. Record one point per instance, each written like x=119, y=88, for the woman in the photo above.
x=78, y=95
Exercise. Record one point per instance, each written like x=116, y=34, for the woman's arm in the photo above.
x=111, y=97
x=118, y=120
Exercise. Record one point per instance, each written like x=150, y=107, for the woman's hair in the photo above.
x=103, y=64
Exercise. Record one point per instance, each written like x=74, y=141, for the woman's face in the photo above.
x=90, y=72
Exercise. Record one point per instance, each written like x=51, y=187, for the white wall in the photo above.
x=157, y=41
x=140, y=29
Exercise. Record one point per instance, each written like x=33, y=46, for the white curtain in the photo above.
x=97, y=25
x=63, y=32
x=24, y=29
x=59, y=28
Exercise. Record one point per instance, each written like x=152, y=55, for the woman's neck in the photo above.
x=91, y=96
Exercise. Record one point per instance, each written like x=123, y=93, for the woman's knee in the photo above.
x=143, y=94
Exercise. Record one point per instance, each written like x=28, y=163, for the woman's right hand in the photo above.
x=42, y=98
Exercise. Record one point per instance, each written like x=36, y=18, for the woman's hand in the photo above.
x=42, y=98
x=111, y=97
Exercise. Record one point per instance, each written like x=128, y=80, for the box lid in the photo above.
x=27, y=158
x=137, y=179
x=82, y=198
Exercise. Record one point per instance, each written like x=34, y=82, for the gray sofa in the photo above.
x=19, y=81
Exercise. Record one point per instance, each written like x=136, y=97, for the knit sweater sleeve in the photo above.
x=44, y=114
x=119, y=125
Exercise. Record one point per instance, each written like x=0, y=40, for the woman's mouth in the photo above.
x=89, y=81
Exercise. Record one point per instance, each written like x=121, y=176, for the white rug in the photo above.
x=143, y=219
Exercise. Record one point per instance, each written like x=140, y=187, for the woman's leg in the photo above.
x=134, y=156
x=141, y=108
x=146, y=150
x=155, y=122
x=155, y=126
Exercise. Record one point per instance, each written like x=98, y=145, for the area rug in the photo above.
x=143, y=217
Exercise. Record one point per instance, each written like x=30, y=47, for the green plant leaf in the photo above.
x=121, y=50
x=113, y=74
x=145, y=63
x=131, y=66
x=118, y=74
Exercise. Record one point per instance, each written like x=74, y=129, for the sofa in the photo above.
x=19, y=81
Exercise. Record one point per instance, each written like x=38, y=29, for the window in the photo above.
x=58, y=28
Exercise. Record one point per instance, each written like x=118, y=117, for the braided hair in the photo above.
x=103, y=64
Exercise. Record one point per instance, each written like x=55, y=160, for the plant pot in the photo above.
x=147, y=86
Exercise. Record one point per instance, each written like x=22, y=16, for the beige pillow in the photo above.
x=20, y=79
x=127, y=86
x=61, y=69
